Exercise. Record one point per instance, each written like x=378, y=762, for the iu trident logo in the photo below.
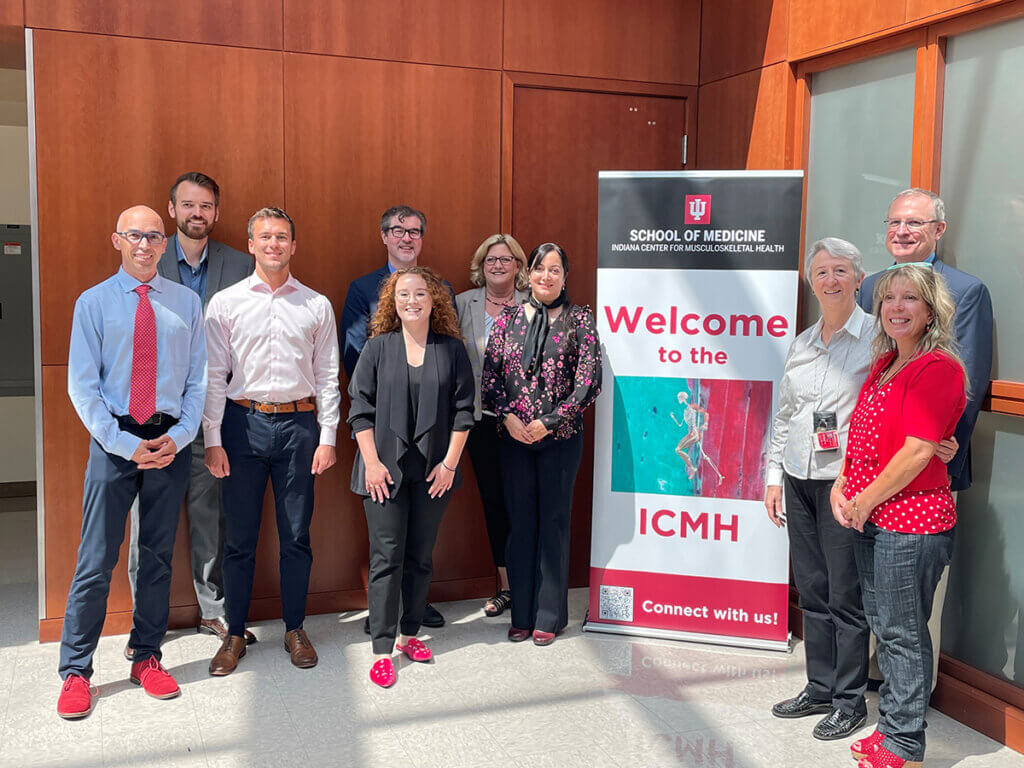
x=698, y=209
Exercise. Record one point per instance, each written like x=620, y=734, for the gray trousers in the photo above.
x=206, y=535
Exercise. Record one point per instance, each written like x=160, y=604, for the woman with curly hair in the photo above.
x=894, y=491
x=412, y=407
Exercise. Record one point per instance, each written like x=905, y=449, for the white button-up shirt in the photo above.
x=278, y=346
x=819, y=377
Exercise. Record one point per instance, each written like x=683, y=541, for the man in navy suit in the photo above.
x=205, y=266
x=916, y=222
x=401, y=230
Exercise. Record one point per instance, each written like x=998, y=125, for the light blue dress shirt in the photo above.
x=192, y=278
x=100, y=359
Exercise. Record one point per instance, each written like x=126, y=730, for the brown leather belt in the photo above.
x=295, y=406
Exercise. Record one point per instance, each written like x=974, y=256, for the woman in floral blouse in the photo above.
x=541, y=370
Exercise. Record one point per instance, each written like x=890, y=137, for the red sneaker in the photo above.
x=868, y=745
x=76, y=697
x=415, y=649
x=383, y=673
x=154, y=679
x=883, y=758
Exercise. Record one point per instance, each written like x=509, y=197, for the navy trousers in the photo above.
x=538, y=486
x=111, y=484
x=278, y=447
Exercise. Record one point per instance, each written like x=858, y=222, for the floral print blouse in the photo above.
x=566, y=383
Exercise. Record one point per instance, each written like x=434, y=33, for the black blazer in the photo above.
x=379, y=391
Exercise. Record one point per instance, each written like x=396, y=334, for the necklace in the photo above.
x=495, y=302
x=885, y=378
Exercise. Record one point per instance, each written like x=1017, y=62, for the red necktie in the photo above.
x=142, y=396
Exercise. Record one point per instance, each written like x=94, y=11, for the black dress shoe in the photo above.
x=801, y=706
x=432, y=617
x=838, y=725
x=366, y=625
x=874, y=684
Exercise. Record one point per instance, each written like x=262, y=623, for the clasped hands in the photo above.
x=378, y=478
x=525, y=433
x=155, y=454
x=849, y=513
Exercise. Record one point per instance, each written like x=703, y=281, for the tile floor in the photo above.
x=588, y=700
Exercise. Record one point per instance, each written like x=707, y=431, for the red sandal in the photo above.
x=867, y=746
x=415, y=649
x=883, y=758
x=383, y=673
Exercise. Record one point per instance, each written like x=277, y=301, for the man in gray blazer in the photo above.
x=206, y=266
x=915, y=223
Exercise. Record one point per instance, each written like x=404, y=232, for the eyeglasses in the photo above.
x=490, y=261
x=399, y=232
x=135, y=237
x=913, y=224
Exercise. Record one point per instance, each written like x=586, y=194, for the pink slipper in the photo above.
x=883, y=758
x=415, y=650
x=868, y=745
x=383, y=673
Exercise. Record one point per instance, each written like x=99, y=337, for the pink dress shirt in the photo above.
x=278, y=346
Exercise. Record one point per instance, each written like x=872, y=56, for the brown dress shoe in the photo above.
x=231, y=650
x=219, y=627
x=297, y=644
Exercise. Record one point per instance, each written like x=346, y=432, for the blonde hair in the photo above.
x=931, y=286
x=476, y=271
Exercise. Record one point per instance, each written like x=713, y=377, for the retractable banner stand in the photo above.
x=697, y=286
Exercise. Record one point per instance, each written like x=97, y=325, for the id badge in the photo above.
x=826, y=432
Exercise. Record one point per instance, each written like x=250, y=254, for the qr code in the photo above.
x=616, y=603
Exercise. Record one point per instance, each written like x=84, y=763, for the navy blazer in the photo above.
x=224, y=266
x=973, y=329
x=379, y=391
x=360, y=306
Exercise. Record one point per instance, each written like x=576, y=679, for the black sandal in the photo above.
x=500, y=603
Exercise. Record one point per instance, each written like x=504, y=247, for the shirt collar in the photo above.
x=255, y=283
x=127, y=283
x=181, y=253
x=854, y=325
x=929, y=260
x=391, y=268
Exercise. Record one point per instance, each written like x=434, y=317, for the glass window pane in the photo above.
x=982, y=175
x=862, y=122
x=982, y=624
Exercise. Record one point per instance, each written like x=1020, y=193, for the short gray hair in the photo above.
x=836, y=246
x=938, y=207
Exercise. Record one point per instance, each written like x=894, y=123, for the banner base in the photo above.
x=783, y=646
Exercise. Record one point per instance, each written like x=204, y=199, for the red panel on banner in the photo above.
x=692, y=603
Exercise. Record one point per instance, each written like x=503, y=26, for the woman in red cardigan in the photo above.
x=894, y=490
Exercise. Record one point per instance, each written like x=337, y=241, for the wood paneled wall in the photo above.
x=334, y=110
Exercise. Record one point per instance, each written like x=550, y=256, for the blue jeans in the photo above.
x=898, y=576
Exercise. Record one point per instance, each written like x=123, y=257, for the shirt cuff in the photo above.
x=328, y=435
x=178, y=434
x=211, y=437
x=126, y=444
x=773, y=476
x=551, y=421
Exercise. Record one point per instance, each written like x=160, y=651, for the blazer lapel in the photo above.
x=168, y=264
x=435, y=360
x=394, y=366
x=214, y=270
x=477, y=310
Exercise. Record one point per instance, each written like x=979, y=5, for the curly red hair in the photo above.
x=443, y=318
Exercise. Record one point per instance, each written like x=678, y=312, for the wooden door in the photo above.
x=560, y=140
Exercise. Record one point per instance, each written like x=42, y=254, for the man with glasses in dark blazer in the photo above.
x=205, y=266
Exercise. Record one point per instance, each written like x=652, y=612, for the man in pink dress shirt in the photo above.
x=271, y=413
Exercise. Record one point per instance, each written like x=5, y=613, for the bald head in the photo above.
x=140, y=259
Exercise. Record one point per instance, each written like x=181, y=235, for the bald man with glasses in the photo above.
x=137, y=379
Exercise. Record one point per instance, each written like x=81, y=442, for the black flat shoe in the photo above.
x=498, y=604
x=801, y=706
x=838, y=725
x=432, y=617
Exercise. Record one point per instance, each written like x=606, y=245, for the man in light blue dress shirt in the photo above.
x=135, y=337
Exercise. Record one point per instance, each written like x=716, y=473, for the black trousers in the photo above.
x=402, y=533
x=483, y=453
x=538, y=495
x=825, y=571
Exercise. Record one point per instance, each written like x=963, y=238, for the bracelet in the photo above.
x=450, y=469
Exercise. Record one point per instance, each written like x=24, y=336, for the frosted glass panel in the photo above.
x=982, y=177
x=862, y=118
x=982, y=623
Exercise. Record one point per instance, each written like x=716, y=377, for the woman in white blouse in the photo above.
x=825, y=368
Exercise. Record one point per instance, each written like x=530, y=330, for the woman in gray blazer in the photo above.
x=412, y=408
x=498, y=269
